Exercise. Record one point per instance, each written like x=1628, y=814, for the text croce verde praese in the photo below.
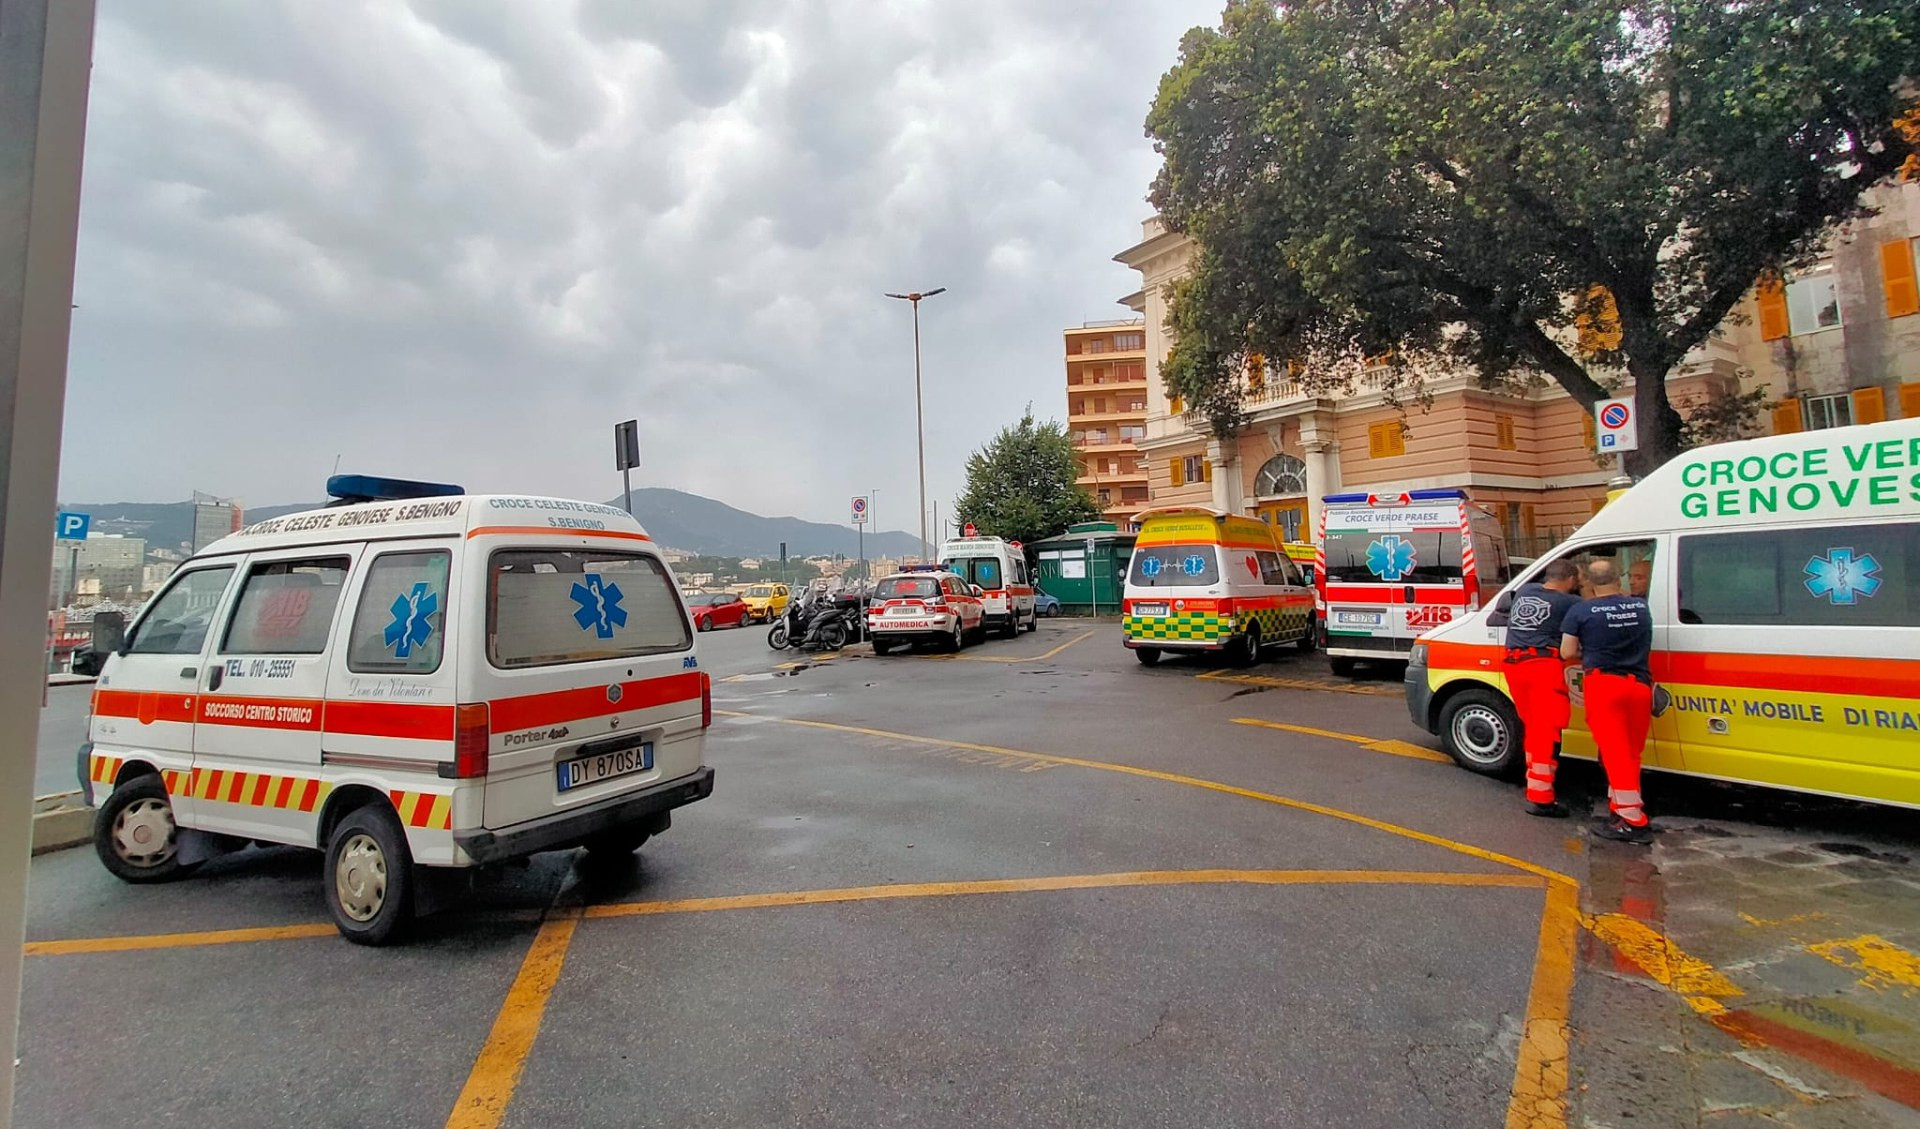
x=1851, y=476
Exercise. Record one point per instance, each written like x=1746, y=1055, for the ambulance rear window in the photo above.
x=907, y=588
x=984, y=571
x=1162, y=566
x=1357, y=556
x=546, y=607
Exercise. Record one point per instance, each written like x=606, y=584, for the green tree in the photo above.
x=1021, y=485
x=1528, y=190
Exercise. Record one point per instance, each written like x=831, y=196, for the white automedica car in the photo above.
x=930, y=606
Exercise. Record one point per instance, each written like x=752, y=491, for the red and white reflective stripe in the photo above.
x=1540, y=783
x=1466, y=546
x=1627, y=805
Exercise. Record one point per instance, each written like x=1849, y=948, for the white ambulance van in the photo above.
x=1395, y=563
x=411, y=677
x=1784, y=578
x=999, y=569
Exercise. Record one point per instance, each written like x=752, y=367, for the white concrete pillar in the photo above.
x=1227, y=492
x=45, y=49
x=1317, y=450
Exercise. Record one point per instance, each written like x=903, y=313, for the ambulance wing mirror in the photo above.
x=1501, y=606
x=109, y=633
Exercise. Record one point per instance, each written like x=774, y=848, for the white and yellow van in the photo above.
x=1205, y=580
x=411, y=677
x=1784, y=578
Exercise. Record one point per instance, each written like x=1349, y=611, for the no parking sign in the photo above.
x=1614, y=427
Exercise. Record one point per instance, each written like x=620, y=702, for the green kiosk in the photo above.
x=1085, y=567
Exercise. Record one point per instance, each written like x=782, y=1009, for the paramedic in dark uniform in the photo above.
x=1612, y=636
x=1537, y=677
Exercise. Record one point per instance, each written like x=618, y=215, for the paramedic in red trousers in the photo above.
x=1612, y=636
x=1538, y=678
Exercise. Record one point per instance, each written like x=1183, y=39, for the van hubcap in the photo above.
x=1480, y=734
x=144, y=834
x=360, y=878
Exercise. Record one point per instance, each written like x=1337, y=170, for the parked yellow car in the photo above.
x=767, y=601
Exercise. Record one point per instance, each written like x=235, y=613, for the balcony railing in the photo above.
x=1103, y=441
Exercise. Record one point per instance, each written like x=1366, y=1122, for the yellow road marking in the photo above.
x=176, y=940
x=1301, y=683
x=1699, y=983
x=1064, y=882
x=1885, y=963
x=1019, y=658
x=496, y=1073
x=1373, y=744
x=1192, y=782
x=822, y=657
x=1539, y=1096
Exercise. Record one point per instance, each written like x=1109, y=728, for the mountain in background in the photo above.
x=673, y=517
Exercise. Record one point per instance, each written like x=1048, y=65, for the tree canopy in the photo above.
x=1523, y=190
x=1022, y=485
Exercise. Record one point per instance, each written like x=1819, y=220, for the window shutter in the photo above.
x=1503, y=432
x=1897, y=275
x=1206, y=469
x=1910, y=401
x=1500, y=514
x=1176, y=468
x=1786, y=417
x=1396, y=438
x=1869, y=405
x=1526, y=518
x=1772, y=297
x=1376, y=441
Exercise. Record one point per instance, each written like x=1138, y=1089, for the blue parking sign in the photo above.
x=71, y=526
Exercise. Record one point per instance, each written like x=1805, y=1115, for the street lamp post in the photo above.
x=919, y=414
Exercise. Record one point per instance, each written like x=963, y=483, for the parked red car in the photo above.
x=718, y=609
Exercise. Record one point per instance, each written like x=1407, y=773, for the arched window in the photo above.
x=1281, y=474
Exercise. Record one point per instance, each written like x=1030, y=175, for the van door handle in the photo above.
x=189, y=671
x=214, y=679
x=1410, y=596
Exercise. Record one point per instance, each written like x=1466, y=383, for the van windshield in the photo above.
x=984, y=571
x=1359, y=556
x=550, y=606
x=1165, y=566
x=760, y=590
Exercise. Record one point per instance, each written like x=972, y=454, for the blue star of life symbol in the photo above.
x=1841, y=578
x=1151, y=566
x=412, y=620
x=1194, y=565
x=600, y=608
x=1390, y=558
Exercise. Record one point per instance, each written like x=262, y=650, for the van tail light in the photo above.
x=1224, y=607
x=706, y=700
x=938, y=603
x=470, y=741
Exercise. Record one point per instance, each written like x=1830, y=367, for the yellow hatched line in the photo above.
x=1372, y=744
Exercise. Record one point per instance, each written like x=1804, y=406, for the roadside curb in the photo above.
x=71, y=680
x=60, y=821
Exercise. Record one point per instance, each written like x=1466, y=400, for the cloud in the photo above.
x=459, y=240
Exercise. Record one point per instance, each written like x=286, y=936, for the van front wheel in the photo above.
x=369, y=876
x=135, y=836
x=1480, y=731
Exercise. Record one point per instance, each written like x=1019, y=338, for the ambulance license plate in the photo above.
x=1370, y=619
x=1149, y=609
x=582, y=771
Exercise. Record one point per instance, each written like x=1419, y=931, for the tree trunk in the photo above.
x=1659, y=425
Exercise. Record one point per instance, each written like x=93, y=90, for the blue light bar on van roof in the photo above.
x=1400, y=499
x=346, y=489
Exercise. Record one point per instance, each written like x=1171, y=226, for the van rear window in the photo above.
x=984, y=571
x=1166, y=566
x=1356, y=556
x=907, y=588
x=546, y=607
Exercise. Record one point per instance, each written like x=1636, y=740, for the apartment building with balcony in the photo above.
x=1838, y=343
x=1107, y=412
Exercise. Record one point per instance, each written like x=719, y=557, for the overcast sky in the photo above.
x=460, y=239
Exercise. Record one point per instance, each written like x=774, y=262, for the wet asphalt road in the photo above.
x=1069, y=891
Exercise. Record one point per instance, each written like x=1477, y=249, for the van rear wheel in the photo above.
x=1148, y=656
x=369, y=876
x=1481, y=732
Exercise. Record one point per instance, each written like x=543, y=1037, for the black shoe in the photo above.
x=1620, y=831
x=1552, y=809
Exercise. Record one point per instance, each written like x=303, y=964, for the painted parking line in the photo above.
x=1066, y=882
x=1538, y=1097
x=1278, y=683
x=1773, y=1023
x=141, y=942
x=482, y=1103
x=1371, y=744
x=1884, y=964
x=966, y=658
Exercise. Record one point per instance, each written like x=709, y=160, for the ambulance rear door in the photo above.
x=1393, y=571
x=588, y=670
